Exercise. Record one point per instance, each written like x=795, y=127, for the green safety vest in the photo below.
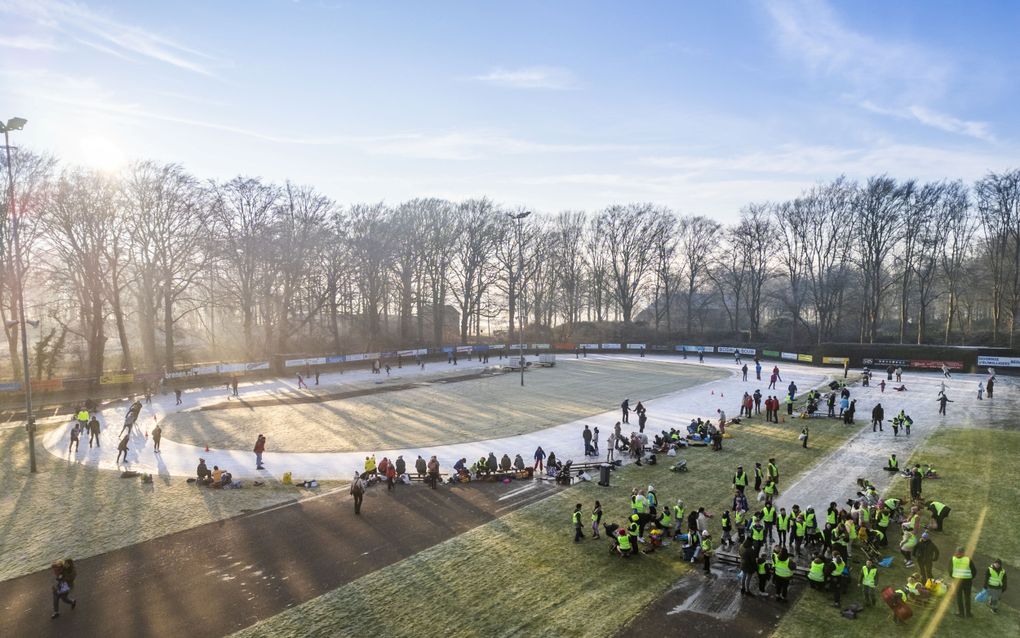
x=782, y=568
x=768, y=513
x=830, y=517
x=801, y=528
x=666, y=520
x=903, y=595
x=851, y=529
x=83, y=416
x=725, y=522
x=757, y=533
x=624, y=542
x=782, y=522
x=706, y=546
x=633, y=529
x=865, y=515
x=838, y=567
x=577, y=518
x=995, y=577
x=892, y=503
x=761, y=567
x=869, y=575
x=809, y=519
x=817, y=572
x=770, y=489
x=594, y=517
x=678, y=512
x=894, y=463
x=773, y=471
x=961, y=567
x=938, y=507
x=739, y=519
x=883, y=519
x=740, y=480
x=879, y=534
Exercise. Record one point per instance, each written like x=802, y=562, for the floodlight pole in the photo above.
x=520, y=285
x=17, y=124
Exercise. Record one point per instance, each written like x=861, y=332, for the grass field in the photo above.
x=442, y=413
x=67, y=509
x=537, y=581
x=973, y=464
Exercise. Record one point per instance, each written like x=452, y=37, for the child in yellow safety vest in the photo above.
x=995, y=583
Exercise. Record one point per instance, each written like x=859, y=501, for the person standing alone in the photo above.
x=260, y=448
x=576, y=519
x=358, y=492
x=962, y=570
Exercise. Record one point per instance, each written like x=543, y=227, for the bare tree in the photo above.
x=697, y=238
x=757, y=236
x=998, y=202
x=477, y=233
x=960, y=227
x=828, y=239
x=879, y=205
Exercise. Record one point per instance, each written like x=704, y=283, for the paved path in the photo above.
x=221, y=577
x=179, y=459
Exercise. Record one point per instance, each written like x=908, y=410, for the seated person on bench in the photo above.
x=204, y=475
x=505, y=465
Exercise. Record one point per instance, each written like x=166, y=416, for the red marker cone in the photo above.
x=206, y=447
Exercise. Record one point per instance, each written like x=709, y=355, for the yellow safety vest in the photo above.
x=817, y=572
x=938, y=507
x=830, y=518
x=869, y=575
x=768, y=514
x=809, y=519
x=757, y=534
x=782, y=568
x=801, y=529
x=576, y=518
x=740, y=480
x=666, y=520
x=624, y=542
x=995, y=577
x=838, y=567
x=782, y=522
x=961, y=567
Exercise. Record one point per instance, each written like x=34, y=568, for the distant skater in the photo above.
x=301, y=382
x=122, y=448
x=157, y=435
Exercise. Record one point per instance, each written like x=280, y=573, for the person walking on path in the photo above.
x=358, y=492
x=177, y=394
x=539, y=458
x=260, y=448
x=93, y=429
x=233, y=386
x=804, y=437
x=433, y=467
x=744, y=372
x=962, y=570
x=75, y=433
x=64, y=572
x=122, y=448
x=943, y=400
x=625, y=409
x=748, y=567
x=157, y=435
x=877, y=416
x=990, y=386
x=301, y=382
x=995, y=583
x=576, y=520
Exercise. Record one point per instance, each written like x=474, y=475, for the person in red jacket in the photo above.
x=260, y=448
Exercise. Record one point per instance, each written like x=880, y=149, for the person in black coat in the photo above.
x=877, y=416
x=748, y=567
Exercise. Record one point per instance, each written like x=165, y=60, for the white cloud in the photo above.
x=903, y=73
x=535, y=77
x=29, y=43
x=78, y=22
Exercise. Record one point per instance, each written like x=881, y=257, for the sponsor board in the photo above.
x=931, y=364
x=465, y=348
x=256, y=365
x=637, y=346
x=336, y=358
x=480, y=348
x=47, y=384
x=789, y=356
x=610, y=346
x=565, y=346
x=836, y=360
x=112, y=379
x=294, y=363
x=660, y=348
x=589, y=346
x=1001, y=362
x=10, y=387
x=517, y=346
x=180, y=374
x=726, y=349
x=210, y=369
x=541, y=346
x=885, y=362
x=770, y=353
x=748, y=351
x=362, y=357
x=806, y=357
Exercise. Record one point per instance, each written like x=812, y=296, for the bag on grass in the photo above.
x=671, y=452
x=761, y=497
x=981, y=596
x=801, y=437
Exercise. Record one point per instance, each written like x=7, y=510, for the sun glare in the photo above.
x=100, y=152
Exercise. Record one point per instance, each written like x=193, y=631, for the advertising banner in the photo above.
x=42, y=385
x=770, y=353
x=790, y=356
x=1000, y=362
x=637, y=346
x=726, y=349
x=256, y=365
x=610, y=346
x=362, y=357
x=748, y=351
x=480, y=348
x=112, y=379
x=660, y=348
x=836, y=360
x=565, y=346
x=541, y=346
x=806, y=357
x=884, y=362
x=931, y=364
x=465, y=348
x=180, y=374
x=294, y=363
x=589, y=346
x=10, y=387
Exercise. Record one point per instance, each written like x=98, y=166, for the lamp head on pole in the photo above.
x=13, y=124
x=519, y=215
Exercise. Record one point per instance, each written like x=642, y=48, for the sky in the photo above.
x=699, y=106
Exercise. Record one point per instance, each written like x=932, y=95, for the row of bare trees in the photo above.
x=153, y=267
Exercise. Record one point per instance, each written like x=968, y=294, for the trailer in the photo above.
x=547, y=360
